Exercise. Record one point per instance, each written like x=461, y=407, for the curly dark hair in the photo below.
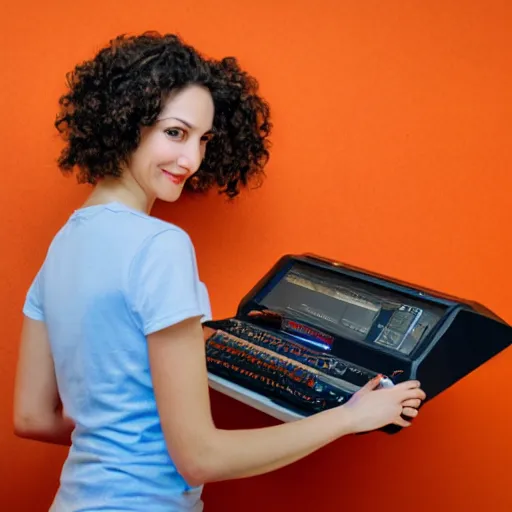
x=123, y=87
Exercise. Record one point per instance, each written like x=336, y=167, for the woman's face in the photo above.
x=171, y=150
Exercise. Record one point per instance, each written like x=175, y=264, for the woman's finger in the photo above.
x=410, y=412
x=402, y=423
x=412, y=402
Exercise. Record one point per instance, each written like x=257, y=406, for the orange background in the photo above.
x=392, y=151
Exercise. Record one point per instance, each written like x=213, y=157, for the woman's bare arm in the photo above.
x=204, y=453
x=38, y=413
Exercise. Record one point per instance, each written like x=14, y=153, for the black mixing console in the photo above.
x=312, y=331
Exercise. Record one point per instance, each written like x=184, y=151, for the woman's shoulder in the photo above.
x=144, y=220
x=117, y=232
x=150, y=237
x=128, y=225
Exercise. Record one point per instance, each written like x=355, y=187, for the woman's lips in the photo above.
x=177, y=179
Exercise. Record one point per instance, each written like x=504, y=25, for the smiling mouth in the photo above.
x=178, y=179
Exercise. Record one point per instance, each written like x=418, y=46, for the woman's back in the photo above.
x=93, y=293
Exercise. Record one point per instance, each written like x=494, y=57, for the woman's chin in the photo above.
x=170, y=196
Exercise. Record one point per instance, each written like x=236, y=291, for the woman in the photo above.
x=112, y=356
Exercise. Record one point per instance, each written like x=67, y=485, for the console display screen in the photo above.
x=353, y=309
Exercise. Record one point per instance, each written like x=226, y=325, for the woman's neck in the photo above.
x=120, y=190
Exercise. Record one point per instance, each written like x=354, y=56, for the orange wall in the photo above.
x=391, y=151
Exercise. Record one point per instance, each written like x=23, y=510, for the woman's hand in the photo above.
x=372, y=408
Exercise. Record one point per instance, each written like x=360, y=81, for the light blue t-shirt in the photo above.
x=113, y=275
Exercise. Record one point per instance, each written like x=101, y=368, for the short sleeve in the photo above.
x=33, y=307
x=164, y=286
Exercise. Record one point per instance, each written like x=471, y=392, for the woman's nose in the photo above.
x=191, y=156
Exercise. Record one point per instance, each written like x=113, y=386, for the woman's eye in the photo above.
x=175, y=133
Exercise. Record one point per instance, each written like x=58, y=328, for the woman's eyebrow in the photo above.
x=186, y=123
